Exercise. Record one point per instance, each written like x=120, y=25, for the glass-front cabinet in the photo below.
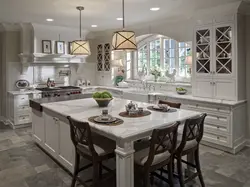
x=203, y=51
x=223, y=50
x=214, y=51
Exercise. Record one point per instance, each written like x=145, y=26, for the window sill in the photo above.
x=162, y=83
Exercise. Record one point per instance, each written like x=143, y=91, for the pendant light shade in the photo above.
x=80, y=47
x=124, y=40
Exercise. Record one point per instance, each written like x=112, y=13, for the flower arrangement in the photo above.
x=156, y=72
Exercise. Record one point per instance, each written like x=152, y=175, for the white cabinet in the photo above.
x=19, y=112
x=53, y=135
x=222, y=128
x=218, y=60
x=203, y=87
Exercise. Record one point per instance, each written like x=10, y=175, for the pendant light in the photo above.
x=124, y=40
x=80, y=47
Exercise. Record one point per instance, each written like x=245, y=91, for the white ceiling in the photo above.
x=100, y=12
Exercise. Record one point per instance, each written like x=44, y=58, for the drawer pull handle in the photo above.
x=218, y=137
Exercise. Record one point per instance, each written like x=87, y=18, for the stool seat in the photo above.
x=102, y=146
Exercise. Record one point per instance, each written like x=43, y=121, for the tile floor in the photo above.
x=23, y=164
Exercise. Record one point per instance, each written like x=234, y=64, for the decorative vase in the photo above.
x=156, y=78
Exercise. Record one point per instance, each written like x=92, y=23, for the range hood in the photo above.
x=31, y=44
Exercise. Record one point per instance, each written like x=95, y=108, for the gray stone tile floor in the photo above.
x=23, y=164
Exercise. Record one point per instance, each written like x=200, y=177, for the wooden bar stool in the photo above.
x=188, y=143
x=159, y=153
x=173, y=105
x=92, y=147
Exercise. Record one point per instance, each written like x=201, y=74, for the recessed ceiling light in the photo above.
x=93, y=25
x=49, y=19
x=155, y=9
x=119, y=19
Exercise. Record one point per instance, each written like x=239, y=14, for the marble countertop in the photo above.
x=166, y=94
x=82, y=109
x=24, y=92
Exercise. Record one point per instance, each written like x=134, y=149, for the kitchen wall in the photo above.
x=248, y=70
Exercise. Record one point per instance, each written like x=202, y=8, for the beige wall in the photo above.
x=248, y=70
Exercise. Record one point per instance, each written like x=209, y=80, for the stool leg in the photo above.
x=100, y=170
x=170, y=174
x=76, y=168
x=198, y=167
x=96, y=174
x=146, y=181
x=180, y=172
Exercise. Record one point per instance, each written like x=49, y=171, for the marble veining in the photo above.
x=84, y=108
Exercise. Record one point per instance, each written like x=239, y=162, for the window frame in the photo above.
x=147, y=42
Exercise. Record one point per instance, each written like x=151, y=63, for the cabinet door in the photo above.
x=66, y=150
x=203, y=88
x=38, y=126
x=99, y=58
x=51, y=134
x=223, y=51
x=202, y=52
x=225, y=89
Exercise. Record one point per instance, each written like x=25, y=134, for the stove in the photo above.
x=60, y=91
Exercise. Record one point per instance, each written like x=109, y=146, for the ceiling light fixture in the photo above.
x=80, y=47
x=49, y=20
x=119, y=19
x=93, y=25
x=124, y=40
x=155, y=9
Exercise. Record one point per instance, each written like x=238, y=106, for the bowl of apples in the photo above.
x=181, y=91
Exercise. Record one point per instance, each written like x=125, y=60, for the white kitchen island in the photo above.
x=52, y=132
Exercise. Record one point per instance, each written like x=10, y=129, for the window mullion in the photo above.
x=177, y=57
x=148, y=58
x=162, y=53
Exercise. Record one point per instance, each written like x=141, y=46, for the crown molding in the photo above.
x=10, y=27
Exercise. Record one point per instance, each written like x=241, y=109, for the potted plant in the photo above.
x=156, y=73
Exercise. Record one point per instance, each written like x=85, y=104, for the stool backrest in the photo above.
x=80, y=134
x=162, y=141
x=173, y=105
x=193, y=130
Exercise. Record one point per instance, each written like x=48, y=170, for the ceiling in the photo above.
x=100, y=12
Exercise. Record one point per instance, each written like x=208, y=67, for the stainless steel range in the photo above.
x=60, y=91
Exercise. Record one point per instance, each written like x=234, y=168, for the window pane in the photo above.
x=172, y=44
x=172, y=53
x=182, y=44
x=182, y=52
x=166, y=63
x=128, y=56
x=172, y=65
x=166, y=44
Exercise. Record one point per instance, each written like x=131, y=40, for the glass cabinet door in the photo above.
x=203, y=51
x=99, y=58
x=223, y=50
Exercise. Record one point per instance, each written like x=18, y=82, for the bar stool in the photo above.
x=188, y=143
x=159, y=153
x=173, y=105
x=92, y=147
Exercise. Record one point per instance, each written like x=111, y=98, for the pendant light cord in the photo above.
x=123, y=15
x=80, y=24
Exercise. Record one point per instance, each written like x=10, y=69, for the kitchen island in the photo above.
x=51, y=131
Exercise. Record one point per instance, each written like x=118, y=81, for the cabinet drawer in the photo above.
x=21, y=108
x=23, y=118
x=216, y=128
x=22, y=100
x=206, y=108
x=224, y=140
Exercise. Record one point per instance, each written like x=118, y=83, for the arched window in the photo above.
x=166, y=54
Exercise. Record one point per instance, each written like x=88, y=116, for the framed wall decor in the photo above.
x=60, y=49
x=70, y=47
x=46, y=46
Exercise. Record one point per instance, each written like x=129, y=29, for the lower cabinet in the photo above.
x=222, y=128
x=215, y=88
x=53, y=135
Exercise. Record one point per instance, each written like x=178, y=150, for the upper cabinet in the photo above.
x=219, y=60
x=103, y=57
